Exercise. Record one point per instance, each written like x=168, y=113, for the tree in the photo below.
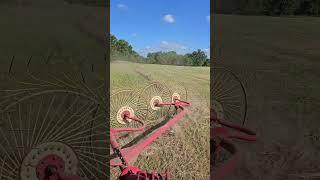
x=198, y=57
x=121, y=49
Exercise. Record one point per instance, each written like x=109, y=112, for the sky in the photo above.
x=162, y=25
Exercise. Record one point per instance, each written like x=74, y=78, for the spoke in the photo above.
x=15, y=137
x=82, y=172
x=44, y=121
x=56, y=114
x=89, y=141
x=86, y=136
x=54, y=129
x=85, y=167
x=97, y=161
x=64, y=83
x=93, y=167
x=21, y=126
x=3, y=169
x=7, y=177
x=5, y=150
x=29, y=124
x=85, y=131
x=15, y=90
x=98, y=148
x=33, y=84
x=72, y=81
x=91, y=153
x=7, y=97
x=36, y=122
x=62, y=130
x=47, y=82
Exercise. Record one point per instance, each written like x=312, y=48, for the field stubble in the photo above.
x=184, y=151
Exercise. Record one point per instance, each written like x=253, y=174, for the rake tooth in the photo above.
x=29, y=61
x=83, y=78
x=11, y=64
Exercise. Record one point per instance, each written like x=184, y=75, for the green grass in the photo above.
x=185, y=152
x=45, y=28
x=279, y=59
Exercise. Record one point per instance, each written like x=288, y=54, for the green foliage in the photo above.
x=269, y=7
x=168, y=58
x=122, y=50
x=97, y=3
x=198, y=58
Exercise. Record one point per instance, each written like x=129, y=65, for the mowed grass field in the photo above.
x=52, y=28
x=278, y=59
x=184, y=151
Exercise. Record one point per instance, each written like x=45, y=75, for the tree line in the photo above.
x=269, y=7
x=122, y=50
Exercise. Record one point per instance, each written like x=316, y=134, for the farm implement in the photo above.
x=228, y=110
x=159, y=105
x=53, y=125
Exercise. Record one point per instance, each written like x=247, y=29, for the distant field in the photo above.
x=51, y=28
x=279, y=61
x=185, y=152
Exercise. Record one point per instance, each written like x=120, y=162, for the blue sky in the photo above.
x=162, y=25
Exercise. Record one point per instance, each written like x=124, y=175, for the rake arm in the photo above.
x=223, y=140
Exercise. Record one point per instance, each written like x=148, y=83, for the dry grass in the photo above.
x=281, y=58
x=184, y=151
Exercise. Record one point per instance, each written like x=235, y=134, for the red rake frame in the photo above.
x=127, y=154
x=220, y=136
x=222, y=139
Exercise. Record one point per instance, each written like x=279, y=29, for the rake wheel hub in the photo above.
x=154, y=101
x=175, y=96
x=123, y=112
x=48, y=157
x=49, y=166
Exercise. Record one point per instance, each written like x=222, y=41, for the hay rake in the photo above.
x=53, y=126
x=141, y=111
x=228, y=109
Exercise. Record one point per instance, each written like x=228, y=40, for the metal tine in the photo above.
x=11, y=64
x=29, y=61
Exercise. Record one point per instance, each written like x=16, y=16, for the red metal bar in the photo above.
x=223, y=136
x=228, y=166
x=134, y=151
x=179, y=103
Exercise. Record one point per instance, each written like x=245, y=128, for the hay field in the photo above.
x=184, y=151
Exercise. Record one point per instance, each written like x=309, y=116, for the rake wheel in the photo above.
x=229, y=92
x=46, y=115
x=150, y=95
x=121, y=101
x=179, y=90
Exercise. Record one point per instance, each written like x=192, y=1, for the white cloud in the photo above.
x=134, y=34
x=208, y=18
x=122, y=6
x=168, y=18
x=164, y=43
x=207, y=51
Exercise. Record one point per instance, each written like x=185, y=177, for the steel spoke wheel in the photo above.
x=229, y=92
x=153, y=93
x=53, y=120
